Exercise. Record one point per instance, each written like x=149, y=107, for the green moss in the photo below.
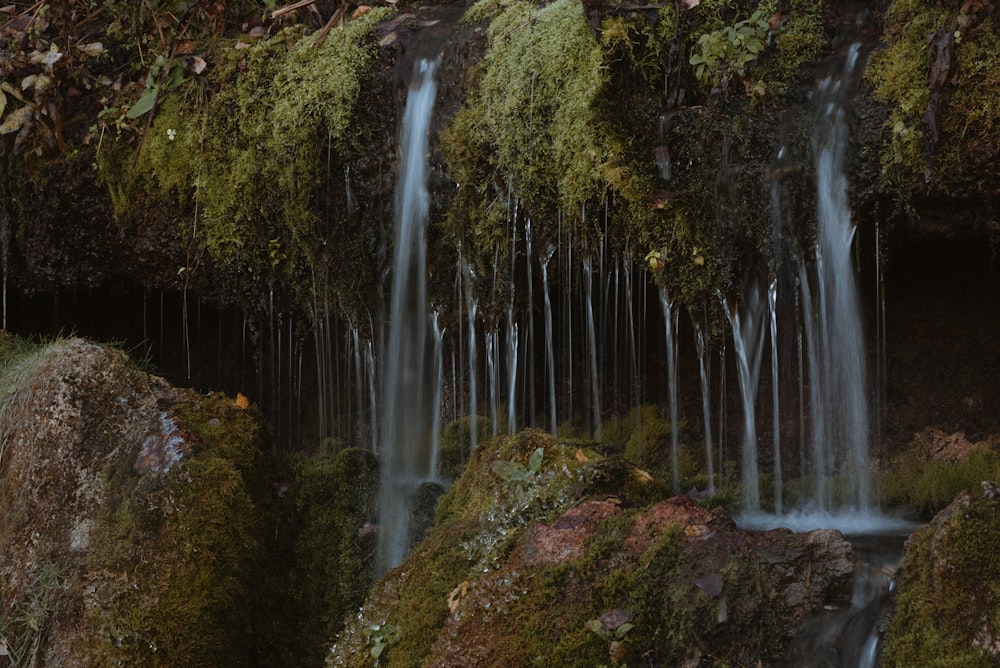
x=283, y=112
x=928, y=486
x=948, y=593
x=319, y=567
x=187, y=546
x=969, y=122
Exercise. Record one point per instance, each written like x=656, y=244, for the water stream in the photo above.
x=404, y=416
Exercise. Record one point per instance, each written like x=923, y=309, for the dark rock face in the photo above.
x=948, y=594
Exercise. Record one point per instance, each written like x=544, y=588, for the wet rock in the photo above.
x=947, y=600
x=602, y=577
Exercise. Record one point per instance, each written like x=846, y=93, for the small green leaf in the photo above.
x=623, y=629
x=509, y=471
x=144, y=103
x=535, y=462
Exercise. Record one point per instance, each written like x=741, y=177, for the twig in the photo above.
x=291, y=8
x=336, y=17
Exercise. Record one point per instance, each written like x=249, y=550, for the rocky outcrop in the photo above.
x=948, y=596
x=129, y=532
x=599, y=576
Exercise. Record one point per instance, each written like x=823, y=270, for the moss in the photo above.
x=187, y=545
x=319, y=567
x=283, y=112
x=528, y=136
x=948, y=593
x=928, y=486
x=969, y=122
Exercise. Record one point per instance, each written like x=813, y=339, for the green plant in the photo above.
x=516, y=472
x=725, y=53
x=380, y=636
x=616, y=648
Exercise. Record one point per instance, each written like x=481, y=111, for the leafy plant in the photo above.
x=380, y=636
x=516, y=472
x=725, y=53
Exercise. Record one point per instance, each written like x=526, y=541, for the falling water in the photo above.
x=404, y=416
x=706, y=407
x=595, y=387
x=511, y=371
x=492, y=361
x=772, y=310
x=372, y=395
x=839, y=342
x=550, y=359
x=748, y=339
x=471, y=308
x=529, y=346
x=432, y=468
x=670, y=315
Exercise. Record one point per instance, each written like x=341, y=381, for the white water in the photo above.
x=747, y=322
x=404, y=412
x=595, y=387
x=550, y=359
x=670, y=318
x=840, y=396
x=706, y=404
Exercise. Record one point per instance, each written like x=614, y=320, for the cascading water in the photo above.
x=405, y=414
x=748, y=341
x=670, y=317
x=841, y=349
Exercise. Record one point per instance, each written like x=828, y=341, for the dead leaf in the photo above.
x=581, y=456
x=360, y=11
x=197, y=65
x=186, y=47
x=690, y=4
x=456, y=595
x=16, y=119
x=241, y=401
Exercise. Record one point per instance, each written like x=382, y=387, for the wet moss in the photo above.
x=928, y=486
x=283, y=111
x=948, y=593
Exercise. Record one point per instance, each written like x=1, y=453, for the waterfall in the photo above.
x=405, y=414
x=748, y=339
x=844, y=381
x=550, y=360
x=670, y=316
x=706, y=406
x=772, y=310
x=595, y=387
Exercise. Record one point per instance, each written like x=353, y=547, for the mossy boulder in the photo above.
x=567, y=558
x=130, y=532
x=949, y=592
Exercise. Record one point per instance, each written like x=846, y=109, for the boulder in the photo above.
x=949, y=591
x=590, y=574
x=128, y=532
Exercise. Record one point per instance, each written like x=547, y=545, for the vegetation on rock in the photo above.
x=948, y=593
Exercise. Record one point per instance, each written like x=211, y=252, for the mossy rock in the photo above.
x=564, y=558
x=948, y=591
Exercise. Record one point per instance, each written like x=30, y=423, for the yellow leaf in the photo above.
x=242, y=401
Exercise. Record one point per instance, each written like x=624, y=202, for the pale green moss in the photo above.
x=250, y=157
